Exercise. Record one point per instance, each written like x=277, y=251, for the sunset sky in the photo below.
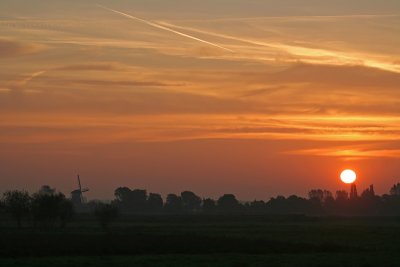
x=251, y=97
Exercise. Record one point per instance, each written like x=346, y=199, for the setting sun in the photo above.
x=348, y=176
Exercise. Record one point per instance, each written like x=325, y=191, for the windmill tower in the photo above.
x=77, y=195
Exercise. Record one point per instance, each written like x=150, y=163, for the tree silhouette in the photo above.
x=190, y=201
x=277, y=205
x=228, y=203
x=208, y=205
x=124, y=198
x=329, y=203
x=49, y=207
x=122, y=194
x=316, y=195
x=319, y=199
x=342, y=195
x=296, y=205
x=369, y=203
x=256, y=206
x=395, y=190
x=173, y=203
x=17, y=203
x=46, y=190
x=139, y=200
x=131, y=200
x=353, y=192
x=342, y=202
x=105, y=214
x=155, y=202
x=2, y=207
x=66, y=212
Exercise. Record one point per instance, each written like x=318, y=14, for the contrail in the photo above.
x=155, y=25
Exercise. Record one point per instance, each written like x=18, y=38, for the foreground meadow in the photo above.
x=190, y=240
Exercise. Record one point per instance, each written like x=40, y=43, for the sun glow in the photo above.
x=348, y=176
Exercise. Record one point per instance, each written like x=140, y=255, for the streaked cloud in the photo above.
x=165, y=128
x=165, y=28
x=99, y=66
x=350, y=154
x=306, y=54
x=12, y=48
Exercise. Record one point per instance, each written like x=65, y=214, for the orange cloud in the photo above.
x=11, y=48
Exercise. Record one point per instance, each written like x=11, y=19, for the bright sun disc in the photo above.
x=348, y=176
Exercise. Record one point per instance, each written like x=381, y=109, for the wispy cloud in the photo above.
x=175, y=127
x=303, y=53
x=166, y=28
x=296, y=18
x=288, y=79
x=22, y=82
x=98, y=66
x=348, y=153
x=11, y=48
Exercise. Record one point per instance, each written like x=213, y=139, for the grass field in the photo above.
x=217, y=260
x=206, y=241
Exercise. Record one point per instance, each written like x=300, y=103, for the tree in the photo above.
x=190, y=201
x=257, y=206
x=296, y=205
x=105, y=214
x=2, y=208
x=228, y=203
x=155, y=202
x=368, y=193
x=173, y=203
x=66, y=212
x=48, y=207
x=123, y=197
x=277, y=205
x=122, y=194
x=342, y=195
x=139, y=200
x=208, y=205
x=369, y=203
x=131, y=200
x=316, y=200
x=329, y=204
x=395, y=190
x=342, y=202
x=46, y=190
x=17, y=203
x=316, y=195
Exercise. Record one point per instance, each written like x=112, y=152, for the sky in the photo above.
x=252, y=97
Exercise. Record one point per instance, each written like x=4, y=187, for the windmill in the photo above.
x=77, y=194
x=82, y=190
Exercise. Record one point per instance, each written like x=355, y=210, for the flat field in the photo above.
x=206, y=240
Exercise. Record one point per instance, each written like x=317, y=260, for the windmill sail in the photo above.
x=81, y=190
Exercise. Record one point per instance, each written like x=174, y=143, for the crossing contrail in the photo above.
x=155, y=25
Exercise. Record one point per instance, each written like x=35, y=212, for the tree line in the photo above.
x=49, y=208
x=318, y=202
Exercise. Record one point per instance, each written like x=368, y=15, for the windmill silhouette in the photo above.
x=77, y=195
